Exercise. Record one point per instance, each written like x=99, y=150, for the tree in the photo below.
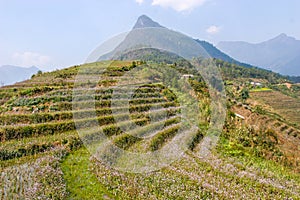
x=133, y=64
x=245, y=94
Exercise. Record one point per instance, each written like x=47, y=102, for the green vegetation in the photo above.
x=80, y=180
x=256, y=158
x=234, y=71
x=261, y=90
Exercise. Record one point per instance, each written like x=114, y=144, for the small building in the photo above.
x=187, y=76
x=256, y=83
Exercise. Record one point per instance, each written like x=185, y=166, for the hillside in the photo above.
x=50, y=125
x=12, y=74
x=217, y=54
x=280, y=54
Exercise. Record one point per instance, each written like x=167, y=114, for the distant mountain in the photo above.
x=147, y=33
x=11, y=74
x=216, y=53
x=280, y=54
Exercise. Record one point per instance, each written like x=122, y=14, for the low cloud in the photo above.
x=139, y=1
x=179, y=5
x=28, y=59
x=213, y=30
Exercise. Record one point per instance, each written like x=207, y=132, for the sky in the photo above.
x=53, y=34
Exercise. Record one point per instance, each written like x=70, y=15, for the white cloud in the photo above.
x=179, y=5
x=213, y=30
x=139, y=1
x=28, y=59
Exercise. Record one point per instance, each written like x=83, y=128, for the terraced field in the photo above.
x=280, y=137
x=284, y=105
x=48, y=124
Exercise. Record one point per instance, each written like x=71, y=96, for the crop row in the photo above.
x=116, y=129
x=37, y=118
x=106, y=103
x=70, y=142
x=17, y=132
x=57, y=83
x=126, y=140
x=92, y=135
x=81, y=97
x=196, y=140
x=118, y=89
x=161, y=137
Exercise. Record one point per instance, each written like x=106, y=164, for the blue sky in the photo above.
x=52, y=34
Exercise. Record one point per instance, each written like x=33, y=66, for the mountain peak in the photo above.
x=146, y=22
x=282, y=35
x=283, y=38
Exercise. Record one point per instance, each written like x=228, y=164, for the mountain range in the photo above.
x=11, y=74
x=160, y=37
x=280, y=54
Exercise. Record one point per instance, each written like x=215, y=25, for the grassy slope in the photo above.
x=233, y=170
x=81, y=182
